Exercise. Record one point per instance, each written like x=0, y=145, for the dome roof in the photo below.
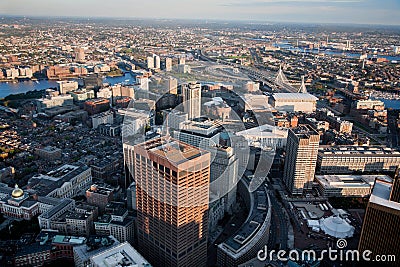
x=336, y=227
x=17, y=192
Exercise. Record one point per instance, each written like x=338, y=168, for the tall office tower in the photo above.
x=172, y=181
x=348, y=44
x=80, y=54
x=129, y=161
x=157, y=62
x=395, y=194
x=301, y=158
x=150, y=63
x=224, y=175
x=380, y=232
x=168, y=64
x=192, y=100
x=172, y=86
x=173, y=118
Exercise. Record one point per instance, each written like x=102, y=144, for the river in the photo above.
x=8, y=88
x=287, y=46
x=391, y=103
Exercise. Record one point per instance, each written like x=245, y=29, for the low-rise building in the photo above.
x=93, y=246
x=49, y=152
x=99, y=196
x=347, y=185
x=54, y=101
x=294, y=102
x=265, y=136
x=66, y=181
x=116, y=222
x=95, y=106
x=350, y=159
x=102, y=118
x=121, y=255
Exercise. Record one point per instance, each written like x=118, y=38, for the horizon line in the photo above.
x=242, y=21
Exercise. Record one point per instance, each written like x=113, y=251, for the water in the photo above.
x=25, y=86
x=287, y=46
x=391, y=103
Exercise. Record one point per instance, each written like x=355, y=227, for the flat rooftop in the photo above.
x=265, y=130
x=121, y=255
x=359, y=150
x=294, y=97
x=175, y=151
x=381, y=195
x=350, y=180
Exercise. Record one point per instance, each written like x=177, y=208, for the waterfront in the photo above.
x=348, y=54
x=391, y=103
x=8, y=88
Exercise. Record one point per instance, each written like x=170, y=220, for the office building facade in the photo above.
x=301, y=158
x=172, y=180
x=380, y=229
x=192, y=100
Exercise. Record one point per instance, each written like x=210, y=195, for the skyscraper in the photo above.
x=157, y=62
x=192, y=100
x=381, y=229
x=301, y=158
x=150, y=63
x=172, y=84
x=80, y=54
x=172, y=181
x=168, y=64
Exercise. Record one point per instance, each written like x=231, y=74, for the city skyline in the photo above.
x=309, y=11
x=201, y=142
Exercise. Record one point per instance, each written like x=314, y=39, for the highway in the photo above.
x=263, y=76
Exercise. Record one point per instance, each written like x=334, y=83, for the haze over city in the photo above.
x=226, y=133
x=308, y=11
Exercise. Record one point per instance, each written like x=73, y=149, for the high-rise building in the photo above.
x=143, y=82
x=131, y=197
x=150, y=63
x=157, y=62
x=224, y=175
x=67, y=86
x=301, y=158
x=168, y=64
x=80, y=54
x=192, y=100
x=380, y=229
x=203, y=134
x=172, y=85
x=174, y=118
x=172, y=181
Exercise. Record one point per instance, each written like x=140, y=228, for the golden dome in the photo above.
x=17, y=192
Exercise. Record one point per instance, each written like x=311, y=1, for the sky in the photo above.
x=309, y=11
